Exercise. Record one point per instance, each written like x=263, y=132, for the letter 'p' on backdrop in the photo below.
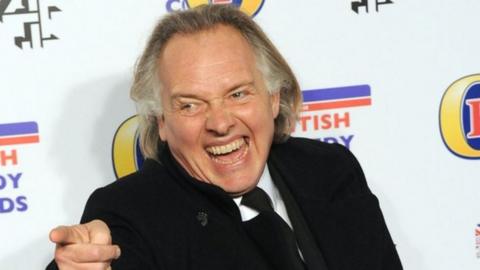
x=397, y=82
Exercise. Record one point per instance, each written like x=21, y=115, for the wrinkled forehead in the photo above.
x=204, y=55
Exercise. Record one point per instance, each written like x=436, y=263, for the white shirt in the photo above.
x=269, y=187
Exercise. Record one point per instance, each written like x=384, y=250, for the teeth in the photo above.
x=225, y=149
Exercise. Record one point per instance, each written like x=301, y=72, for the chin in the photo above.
x=234, y=189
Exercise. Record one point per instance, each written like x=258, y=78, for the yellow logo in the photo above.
x=125, y=148
x=250, y=7
x=460, y=117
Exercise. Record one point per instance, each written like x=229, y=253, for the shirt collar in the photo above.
x=267, y=185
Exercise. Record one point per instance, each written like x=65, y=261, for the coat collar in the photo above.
x=214, y=193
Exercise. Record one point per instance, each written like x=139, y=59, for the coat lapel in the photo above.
x=311, y=253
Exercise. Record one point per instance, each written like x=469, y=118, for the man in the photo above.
x=217, y=102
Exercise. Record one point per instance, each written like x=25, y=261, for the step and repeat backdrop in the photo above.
x=397, y=82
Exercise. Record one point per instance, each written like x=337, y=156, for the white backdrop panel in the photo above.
x=76, y=90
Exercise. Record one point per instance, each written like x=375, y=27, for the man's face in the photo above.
x=218, y=116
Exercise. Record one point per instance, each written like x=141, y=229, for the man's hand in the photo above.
x=84, y=246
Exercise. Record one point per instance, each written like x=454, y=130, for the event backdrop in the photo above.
x=395, y=81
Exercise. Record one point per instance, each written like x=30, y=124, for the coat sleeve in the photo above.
x=115, y=213
x=108, y=207
x=360, y=203
x=344, y=215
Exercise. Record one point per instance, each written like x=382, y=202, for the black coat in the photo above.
x=164, y=219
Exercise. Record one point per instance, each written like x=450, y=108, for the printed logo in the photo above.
x=477, y=240
x=356, y=5
x=460, y=117
x=33, y=25
x=11, y=135
x=126, y=155
x=18, y=133
x=327, y=110
x=250, y=7
x=334, y=98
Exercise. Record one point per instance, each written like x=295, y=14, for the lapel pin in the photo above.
x=202, y=217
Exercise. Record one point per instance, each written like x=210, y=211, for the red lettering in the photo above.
x=474, y=105
x=4, y=157
x=337, y=119
x=315, y=122
x=326, y=121
x=303, y=121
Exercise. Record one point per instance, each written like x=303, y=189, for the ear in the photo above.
x=275, y=101
x=161, y=128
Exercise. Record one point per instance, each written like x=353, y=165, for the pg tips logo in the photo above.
x=460, y=117
x=250, y=7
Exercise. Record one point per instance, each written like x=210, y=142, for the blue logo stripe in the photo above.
x=18, y=128
x=354, y=91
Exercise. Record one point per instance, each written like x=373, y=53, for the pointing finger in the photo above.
x=69, y=234
x=86, y=253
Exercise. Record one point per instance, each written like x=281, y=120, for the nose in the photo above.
x=219, y=120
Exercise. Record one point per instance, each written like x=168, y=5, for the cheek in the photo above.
x=184, y=130
x=258, y=117
x=260, y=106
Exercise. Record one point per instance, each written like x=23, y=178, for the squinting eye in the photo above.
x=189, y=108
x=239, y=94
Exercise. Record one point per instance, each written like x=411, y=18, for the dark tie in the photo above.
x=271, y=233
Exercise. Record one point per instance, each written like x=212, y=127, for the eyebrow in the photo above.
x=250, y=83
x=194, y=96
x=180, y=95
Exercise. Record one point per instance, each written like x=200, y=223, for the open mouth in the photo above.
x=229, y=153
